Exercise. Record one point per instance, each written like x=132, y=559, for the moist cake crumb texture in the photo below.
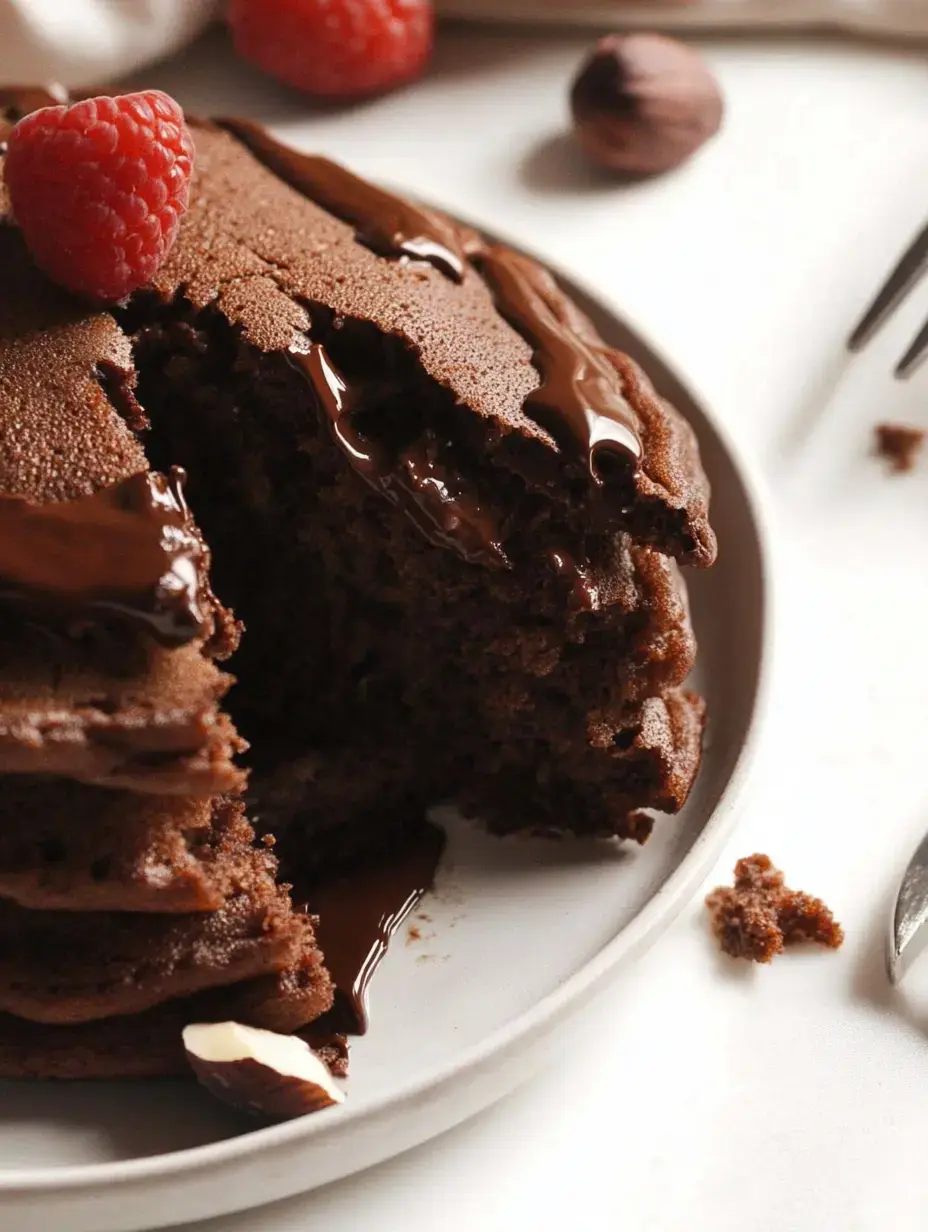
x=402, y=529
x=759, y=916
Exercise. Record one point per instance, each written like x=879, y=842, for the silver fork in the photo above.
x=908, y=272
x=908, y=934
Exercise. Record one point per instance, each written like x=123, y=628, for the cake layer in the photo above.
x=149, y=1045
x=160, y=730
x=596, y=783
x=108, y=626
x=78, y=848
x=66, y=966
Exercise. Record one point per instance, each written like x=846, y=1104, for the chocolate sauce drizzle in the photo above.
x=358, y=915
x=384, y=223
x=438, y=503
x=585, y=592
x=127, y=552
x=580, y=400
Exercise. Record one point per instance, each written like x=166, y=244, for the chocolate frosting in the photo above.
x=580, y=400
x=128, y=552
x=389, y=225
x=437, y=502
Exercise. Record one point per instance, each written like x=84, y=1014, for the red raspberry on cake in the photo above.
x=335, y=48
x=98, y=189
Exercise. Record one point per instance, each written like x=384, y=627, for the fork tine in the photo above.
x=909, y=930
x=912, y=264
x=915, y=355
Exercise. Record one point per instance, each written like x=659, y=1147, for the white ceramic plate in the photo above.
x=520, y=935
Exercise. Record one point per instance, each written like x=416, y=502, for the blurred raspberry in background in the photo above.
x=335, y=48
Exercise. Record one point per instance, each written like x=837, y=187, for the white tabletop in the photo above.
x=698, y=1094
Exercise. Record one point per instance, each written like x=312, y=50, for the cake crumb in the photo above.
x=899, y=444
x=638, y=827
x=759, y=916
x=331, y=1049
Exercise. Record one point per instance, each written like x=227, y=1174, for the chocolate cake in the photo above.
x=449, y=519
x=89, y=849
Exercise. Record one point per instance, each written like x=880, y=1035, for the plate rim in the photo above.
x=657, y=914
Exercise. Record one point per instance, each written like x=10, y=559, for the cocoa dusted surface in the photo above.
x=60, y=435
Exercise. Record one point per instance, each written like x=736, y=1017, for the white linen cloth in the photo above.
x=82, y=42
x=899, y=18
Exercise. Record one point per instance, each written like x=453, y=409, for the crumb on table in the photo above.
x=899, y=444
x=759, y=916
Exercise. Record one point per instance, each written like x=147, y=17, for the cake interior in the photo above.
x=411, y=675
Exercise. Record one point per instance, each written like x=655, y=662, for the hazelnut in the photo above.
x=643, y=103
x=268, y=1075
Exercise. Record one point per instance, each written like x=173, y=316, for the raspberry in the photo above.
x=334, y=48
x=99, y=189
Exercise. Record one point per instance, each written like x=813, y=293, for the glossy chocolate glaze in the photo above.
x=580, y=400
x=436, y=501
x=127, y=552
x=386, y=224
x=358, y=915
x=585, y=593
